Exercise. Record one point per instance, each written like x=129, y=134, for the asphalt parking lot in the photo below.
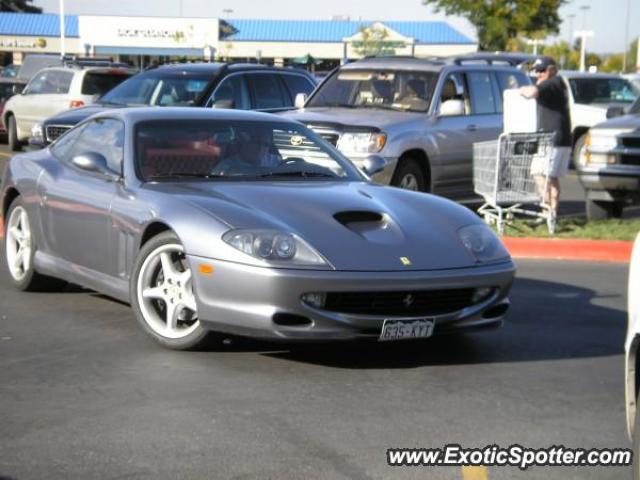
x=85, y=394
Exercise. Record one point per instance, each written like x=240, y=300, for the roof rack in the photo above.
x=513, y=59
x=81, y=62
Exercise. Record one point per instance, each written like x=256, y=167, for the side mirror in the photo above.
x=94, y=162
x=224, y=103
x=17, y=89
x=301, y=99
x=451, y=107
x=373, y=164
x=615, y=111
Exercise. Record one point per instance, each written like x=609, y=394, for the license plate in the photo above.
x=406, y=329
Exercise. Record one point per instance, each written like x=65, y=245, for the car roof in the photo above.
x=141, y=114
x=434, y=64
x=203, y=67
x=576, y=74
x=396, y=63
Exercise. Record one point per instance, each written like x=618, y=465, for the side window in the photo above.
x=482, y=93
x=233, y=88
x=297, y=84
x=103, y=135
x=454, y=88
x=37, y=84
x=58, y=82
x=509, y=80
x=267, y=91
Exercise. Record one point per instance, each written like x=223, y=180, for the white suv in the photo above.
x=53, y=90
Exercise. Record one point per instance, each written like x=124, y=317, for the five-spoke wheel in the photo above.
x=163, y=295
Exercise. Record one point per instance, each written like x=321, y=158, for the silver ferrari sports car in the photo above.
x=245, y=223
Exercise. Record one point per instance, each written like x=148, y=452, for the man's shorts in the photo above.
x=557, y=167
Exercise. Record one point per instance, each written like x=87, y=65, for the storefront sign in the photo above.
x=148, y=32
x=22, y=44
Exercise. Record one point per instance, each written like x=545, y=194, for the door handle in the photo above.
x=472, y=128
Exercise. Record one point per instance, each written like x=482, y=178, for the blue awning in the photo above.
x=181, y=52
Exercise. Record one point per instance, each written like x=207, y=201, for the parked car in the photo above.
x=8, y=88
x=33, y=63
x=9, y=71
x=590, y=96
x=422, y=116
x=632, y=367
x=56, y=89
x=609, y=165
x=219, y=85
x=634, y=78
x=176, y=211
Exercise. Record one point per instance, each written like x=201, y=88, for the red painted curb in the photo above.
x=569, y=249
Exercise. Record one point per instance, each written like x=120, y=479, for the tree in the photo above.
x=563, y=54
x=612, y=63
x=374, y=42
x=499, y=21
x=18, y=6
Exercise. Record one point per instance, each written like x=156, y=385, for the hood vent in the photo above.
x=358, y=216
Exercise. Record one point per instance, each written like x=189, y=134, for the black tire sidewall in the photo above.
x=410, y=166
x=12, y=134
x=195, y=340
x=635, y=441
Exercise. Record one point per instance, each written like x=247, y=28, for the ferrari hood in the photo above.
x=355, y=226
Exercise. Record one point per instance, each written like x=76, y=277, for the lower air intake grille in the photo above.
x=403, y=303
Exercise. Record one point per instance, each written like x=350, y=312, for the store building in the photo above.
x=143, y=40
x=24, y=33
x=146, y=40
x=282, y=41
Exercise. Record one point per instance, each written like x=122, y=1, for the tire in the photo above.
x=409, y=176
x=12, y=134
x=153, y=290
x=575, y=157
x=600, y=210
x=636, y=443
x=19, y=250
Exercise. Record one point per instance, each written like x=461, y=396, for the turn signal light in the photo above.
x=205, y=269
x=76, y=103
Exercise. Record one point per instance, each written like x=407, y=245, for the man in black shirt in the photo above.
x=553, y=116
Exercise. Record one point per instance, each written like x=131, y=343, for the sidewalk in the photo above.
x=569, y=249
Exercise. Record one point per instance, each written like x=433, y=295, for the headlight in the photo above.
x=37, y=133
x=605, y=139
x=361, y=142
x=274, y=247
x=482, y=243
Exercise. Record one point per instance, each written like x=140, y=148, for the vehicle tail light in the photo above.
x=76, y=103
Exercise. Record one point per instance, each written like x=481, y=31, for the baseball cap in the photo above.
x=542, y=63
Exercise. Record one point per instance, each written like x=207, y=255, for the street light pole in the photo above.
x=62, y=51
x=626, y=39
x=571, y=17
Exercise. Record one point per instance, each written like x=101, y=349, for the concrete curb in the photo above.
x=569, y=249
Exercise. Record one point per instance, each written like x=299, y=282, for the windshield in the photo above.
x=601, y=90
x=383, y=89
x=158, y=90
x=172, y=149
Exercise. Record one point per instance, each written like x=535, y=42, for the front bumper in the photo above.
x=242, y=300
x=611, y=182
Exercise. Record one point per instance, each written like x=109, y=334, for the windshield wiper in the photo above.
x=113, y=104
x=335, y=104
x=171, y=176
x=297, y=173
x=381, y=106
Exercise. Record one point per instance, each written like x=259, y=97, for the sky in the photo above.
x=606, y=18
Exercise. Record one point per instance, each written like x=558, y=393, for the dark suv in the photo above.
x=219, y=85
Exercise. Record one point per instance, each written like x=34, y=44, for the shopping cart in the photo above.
x=502, y=176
